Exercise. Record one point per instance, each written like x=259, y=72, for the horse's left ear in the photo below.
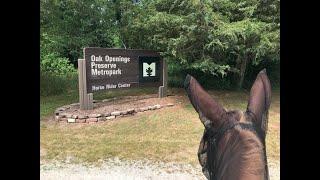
x=209, y=110
x=260, y=99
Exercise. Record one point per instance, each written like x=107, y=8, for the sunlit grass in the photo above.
x=168, y=134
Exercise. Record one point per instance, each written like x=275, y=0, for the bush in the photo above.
x=177, y=74
x=57, y=75
x=51, y=63
x=51, y=84
x=273, y=71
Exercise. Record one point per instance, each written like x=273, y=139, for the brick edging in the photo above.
x=62, y=116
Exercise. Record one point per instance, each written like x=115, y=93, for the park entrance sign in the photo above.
x=113, y=69
x=105, y=69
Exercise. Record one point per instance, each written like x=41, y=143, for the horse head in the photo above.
x=233, y=143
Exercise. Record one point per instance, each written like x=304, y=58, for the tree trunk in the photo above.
x=243, y=67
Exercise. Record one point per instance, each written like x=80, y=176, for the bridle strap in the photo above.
x=226, y=128
x=217, y=134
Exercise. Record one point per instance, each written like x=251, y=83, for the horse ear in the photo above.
x=260, y=99
x=208, y=109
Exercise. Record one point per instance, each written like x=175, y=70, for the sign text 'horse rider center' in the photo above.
x=113, y=69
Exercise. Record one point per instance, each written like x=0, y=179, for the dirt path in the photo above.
x=115, y=169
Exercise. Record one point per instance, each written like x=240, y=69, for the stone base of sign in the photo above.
x=62, y=116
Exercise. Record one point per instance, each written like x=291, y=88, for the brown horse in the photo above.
x=233, y=143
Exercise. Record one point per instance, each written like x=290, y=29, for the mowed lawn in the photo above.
x=167, y=134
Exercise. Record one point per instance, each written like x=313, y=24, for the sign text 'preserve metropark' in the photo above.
x=113, y=69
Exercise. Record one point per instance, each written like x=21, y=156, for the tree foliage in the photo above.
x=70, y=25
x=218, y=38
x=211, y=36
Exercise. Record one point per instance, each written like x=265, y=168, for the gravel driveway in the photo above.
x=115, y=169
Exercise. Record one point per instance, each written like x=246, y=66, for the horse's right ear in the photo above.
x=260, y=99
x=208, y=109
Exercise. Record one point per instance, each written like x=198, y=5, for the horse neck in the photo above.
x=240, y=156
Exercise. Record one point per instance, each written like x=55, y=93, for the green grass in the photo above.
x=143, y=136
x=168, y=134
x=49, y=103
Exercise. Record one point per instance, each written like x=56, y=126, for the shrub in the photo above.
x=51, y=63
x=51, y=84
